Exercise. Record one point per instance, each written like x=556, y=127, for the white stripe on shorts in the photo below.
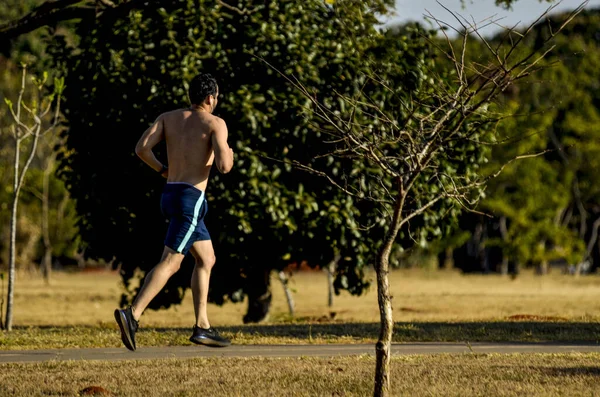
x=194, y=223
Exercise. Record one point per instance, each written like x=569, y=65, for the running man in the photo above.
x=195, y=140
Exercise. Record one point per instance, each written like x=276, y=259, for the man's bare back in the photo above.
x=195, y=139
x=189, y=134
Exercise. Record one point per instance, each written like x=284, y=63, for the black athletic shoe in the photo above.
x=128, y=327
x=208, y=337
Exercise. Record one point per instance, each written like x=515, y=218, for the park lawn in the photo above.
x=76, y=310
x=414, y=375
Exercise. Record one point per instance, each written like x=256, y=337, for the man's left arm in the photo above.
x=150, y=138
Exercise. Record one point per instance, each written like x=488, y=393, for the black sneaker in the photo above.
x=128, y=327
x=208, y=337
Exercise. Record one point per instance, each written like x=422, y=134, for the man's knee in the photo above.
x=172, y=263
x=206, y=263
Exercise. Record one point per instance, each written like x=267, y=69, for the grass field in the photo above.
x=438, y=375
x=90, y=298
x=76, y=311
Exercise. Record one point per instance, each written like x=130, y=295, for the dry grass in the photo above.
x=419, y=296
x=76, y=311
x=436, y=375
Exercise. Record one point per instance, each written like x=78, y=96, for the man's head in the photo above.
x=204, y=91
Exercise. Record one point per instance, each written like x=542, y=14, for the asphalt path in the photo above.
x=282, y=351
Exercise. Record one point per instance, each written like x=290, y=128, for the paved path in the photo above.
x=328, y=350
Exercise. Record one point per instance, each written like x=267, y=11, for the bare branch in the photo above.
x=52, y=12
x=240, y=11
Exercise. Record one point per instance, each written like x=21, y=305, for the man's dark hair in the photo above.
x=202, y=86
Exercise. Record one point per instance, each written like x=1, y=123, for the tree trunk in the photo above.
x=589, y=248
x=331, y=267
x=384, y=299
x=258, y=289
x=47, y=260
x=449, y=258
x=288, y=294
x=11, y=264
x=504, y=234
x=383, y=346
x=13, y=242
x=18, y=182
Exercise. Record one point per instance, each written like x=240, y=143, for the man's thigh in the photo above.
x=203, y=251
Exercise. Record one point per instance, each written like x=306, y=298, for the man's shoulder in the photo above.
x=216, y=123
x=174, y=112
x=218, y=120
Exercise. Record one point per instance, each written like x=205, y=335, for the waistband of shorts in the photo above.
x=180, y=186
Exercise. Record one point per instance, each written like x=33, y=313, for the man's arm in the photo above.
x=223, y=153
x=150, y=138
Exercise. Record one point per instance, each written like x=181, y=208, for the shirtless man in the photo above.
x=195, y=140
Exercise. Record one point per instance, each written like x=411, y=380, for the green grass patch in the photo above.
x=500, y=331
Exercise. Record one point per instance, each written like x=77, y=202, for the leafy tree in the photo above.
x=423, y=148
x=264, y=215
x=546, y=207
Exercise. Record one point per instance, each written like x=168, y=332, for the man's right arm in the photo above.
x=223, y=153
x=150, y=138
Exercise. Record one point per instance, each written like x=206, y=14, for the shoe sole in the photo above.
x=122, y=321
x=209, y=342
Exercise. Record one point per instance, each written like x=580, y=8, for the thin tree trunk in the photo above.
x=18, y=183
x=331, y=267
x=448, y=258
x=504, y=234
x=542, y=267
x=13, y=241
x=383, y=346
x=288, y=294
x=47, y=260
x=590, y=246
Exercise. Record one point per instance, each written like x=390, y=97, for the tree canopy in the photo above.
x=264, y=214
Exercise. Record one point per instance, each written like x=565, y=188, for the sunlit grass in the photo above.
x=89, y=299
x=421, y=375
x=76, y=310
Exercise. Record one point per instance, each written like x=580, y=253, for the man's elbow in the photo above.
x=224, y=166
x=141, y=151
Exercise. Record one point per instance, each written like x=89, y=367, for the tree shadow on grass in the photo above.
x=499, y=331
x=508, y=331
x=571, y=371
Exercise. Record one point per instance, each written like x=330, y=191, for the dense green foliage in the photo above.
x=264, y=214
x=550, y=202
x=129, y=66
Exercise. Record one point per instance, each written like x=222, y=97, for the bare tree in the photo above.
x=284, y=279
x=46, y=156
x=416, y=155
x=29, y=122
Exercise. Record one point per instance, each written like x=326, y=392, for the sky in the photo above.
x=522, y=12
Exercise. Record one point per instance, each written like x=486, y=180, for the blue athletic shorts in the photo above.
x=185, y=207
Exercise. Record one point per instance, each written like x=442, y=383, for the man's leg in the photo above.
x=156, y=279
x=205, y=259
x=203, y=333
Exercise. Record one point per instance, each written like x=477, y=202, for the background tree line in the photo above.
x=135, y=65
